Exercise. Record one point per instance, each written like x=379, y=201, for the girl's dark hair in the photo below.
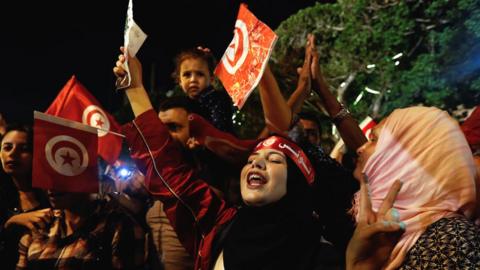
x=297, y=185
x=194, y=53
x=22, y=128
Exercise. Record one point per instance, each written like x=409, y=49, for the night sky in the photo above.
x=44, y=43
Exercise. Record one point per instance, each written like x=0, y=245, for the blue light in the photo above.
x=124, y=172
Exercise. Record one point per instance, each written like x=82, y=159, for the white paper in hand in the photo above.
x=133, y=40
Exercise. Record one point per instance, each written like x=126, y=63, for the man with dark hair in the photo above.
x=311, y=127
x=173, y=112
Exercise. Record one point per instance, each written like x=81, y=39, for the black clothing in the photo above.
x=216, y=107
x=280, y=235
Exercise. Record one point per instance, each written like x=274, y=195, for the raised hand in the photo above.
x=304, y=78
x=304, y=85
x=134, y=66
x=136, y=93
x=315, y=69
x=34, y=221
x=376, y=233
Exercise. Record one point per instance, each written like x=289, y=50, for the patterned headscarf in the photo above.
x=425, y=149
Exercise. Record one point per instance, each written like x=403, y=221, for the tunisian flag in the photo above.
x=244, y=61
x=64, y=155
x=366, y=125
x=471, y=128
x=74, y=102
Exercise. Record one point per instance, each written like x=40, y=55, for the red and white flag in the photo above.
x=64, y=155
x=471, y=127
x=366, y=125
x=133, y=40
x=244, y=61
x=74, y=102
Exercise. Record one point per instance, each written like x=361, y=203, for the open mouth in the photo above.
x=255, y=180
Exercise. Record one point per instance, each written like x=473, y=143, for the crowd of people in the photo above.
x=409, y=201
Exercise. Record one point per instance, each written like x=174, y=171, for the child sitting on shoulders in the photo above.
x=194, y=74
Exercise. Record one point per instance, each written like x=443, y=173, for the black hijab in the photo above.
x=281, y=235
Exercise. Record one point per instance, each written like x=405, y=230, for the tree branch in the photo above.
x=344, y=85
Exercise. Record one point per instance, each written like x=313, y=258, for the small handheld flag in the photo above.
x=244, y=61
x=64, y=155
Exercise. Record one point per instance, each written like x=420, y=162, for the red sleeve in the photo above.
x=191, y=206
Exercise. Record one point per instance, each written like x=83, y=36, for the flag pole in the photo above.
x=112, y=132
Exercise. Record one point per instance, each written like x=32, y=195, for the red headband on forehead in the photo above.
x=294, y=152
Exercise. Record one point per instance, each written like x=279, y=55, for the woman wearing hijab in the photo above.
x=425, y=149
x=274, y=229
x=265, y=233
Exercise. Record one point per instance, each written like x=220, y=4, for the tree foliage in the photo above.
x=360, y=43
x=407, y=52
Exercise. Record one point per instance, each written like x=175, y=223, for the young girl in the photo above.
x=194, y=74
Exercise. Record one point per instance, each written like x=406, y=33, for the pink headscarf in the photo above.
x=425, y=149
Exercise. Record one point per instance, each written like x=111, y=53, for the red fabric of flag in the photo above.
x=64, y=155
x=75, y=102
x=244, y=61
x=366, y=125
x=471, y=128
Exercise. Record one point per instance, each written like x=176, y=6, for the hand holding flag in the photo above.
x=133, y=40
x=244, y=61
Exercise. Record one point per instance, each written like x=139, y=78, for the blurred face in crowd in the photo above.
x=366, y=150
x=311, y=131
x=263, y=179
x=16, y=154
x=176, y=120
x=194, y=76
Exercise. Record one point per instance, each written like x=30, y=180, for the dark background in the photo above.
x=45, y=42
